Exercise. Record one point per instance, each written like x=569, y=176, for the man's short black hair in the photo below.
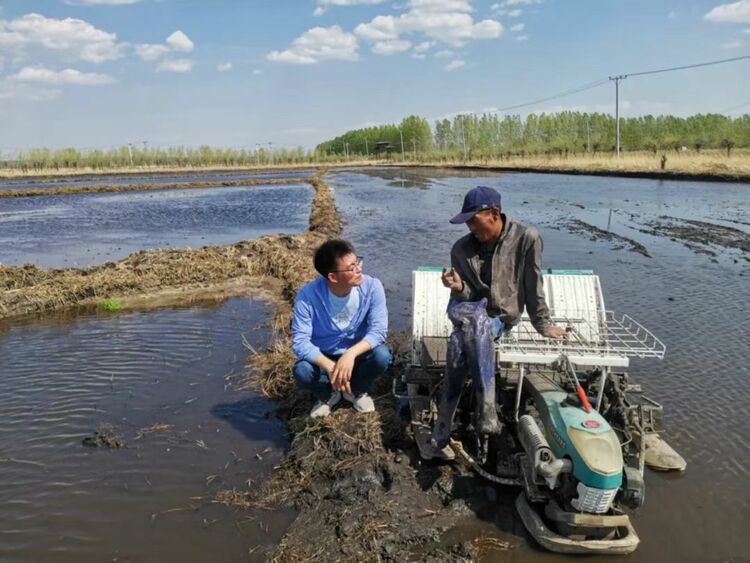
x=327, y=255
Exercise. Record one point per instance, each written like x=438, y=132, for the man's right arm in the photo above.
x=302, y=328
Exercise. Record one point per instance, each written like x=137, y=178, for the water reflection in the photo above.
x=83, y=230
x=159, y=379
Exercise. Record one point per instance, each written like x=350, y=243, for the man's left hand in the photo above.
x=341, y=375
x=554, y=331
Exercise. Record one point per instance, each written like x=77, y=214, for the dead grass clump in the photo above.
x=484, y=546
x=326, y=219
x=270, y=371
x=321, y=451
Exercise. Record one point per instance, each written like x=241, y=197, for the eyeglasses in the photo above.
x=351, y=269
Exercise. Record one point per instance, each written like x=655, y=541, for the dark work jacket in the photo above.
x=516, y=275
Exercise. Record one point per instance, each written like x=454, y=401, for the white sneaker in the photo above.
x=322, y=409
x=363, y=403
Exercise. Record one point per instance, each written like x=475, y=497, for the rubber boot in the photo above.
x=453, y=384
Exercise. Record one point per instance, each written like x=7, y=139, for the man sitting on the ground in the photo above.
x=339, y=328
x=495, y=273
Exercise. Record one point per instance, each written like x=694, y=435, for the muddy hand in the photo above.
x=452, y=280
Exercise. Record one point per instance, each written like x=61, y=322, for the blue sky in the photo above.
x=102, y=73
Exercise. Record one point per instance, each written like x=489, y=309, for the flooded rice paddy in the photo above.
x=84, y=230
x=691, y=294
x=161, y=382
x=62, y=378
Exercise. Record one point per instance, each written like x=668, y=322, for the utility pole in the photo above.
x=346, y=150
x=401, y=132
x=130, y=152
x=617, y=109
x=270, y=151
x=257, y=153
x=367, y=148
x=588, y=134
x=414, y=144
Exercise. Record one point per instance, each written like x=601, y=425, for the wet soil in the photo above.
x=700, y=236
x=582, y=227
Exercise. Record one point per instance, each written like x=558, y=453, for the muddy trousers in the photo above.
x=471, y=351
x=367, y=368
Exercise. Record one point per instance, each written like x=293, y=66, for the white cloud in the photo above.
x=455, y=64
x=737, y=12
x=74, y=37
x=517, y=2
x=746, y=30
x=224, y=67
x=734, y=44
x=391, y=47
x=515, y=13
x=522, y=38
x=150, y=51
x=672, y=15
x=40, y=75
x=444, y=54
x=517, y=27
x=175, y=65
x=418, y=56
x=180, y=42
x=319, y=44
x=448, y=21
x=324, y=4
x=177, y=42
x=257, y=72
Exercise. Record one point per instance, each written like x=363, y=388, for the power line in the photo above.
x=582, y=88
x=709, y=63
x=729, y=110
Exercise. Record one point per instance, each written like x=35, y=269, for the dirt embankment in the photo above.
x=77, y=190
x=28, y=289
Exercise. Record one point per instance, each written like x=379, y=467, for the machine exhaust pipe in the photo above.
x=537, y=448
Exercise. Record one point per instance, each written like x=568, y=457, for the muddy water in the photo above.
x=82, y=230
x=62, y=378
x=693, y=301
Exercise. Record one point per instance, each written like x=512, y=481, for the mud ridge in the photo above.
x=28, y=289
x=77, y=190
x=699, y=236
x=581, y=227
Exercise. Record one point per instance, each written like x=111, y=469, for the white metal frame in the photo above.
x=596, y=337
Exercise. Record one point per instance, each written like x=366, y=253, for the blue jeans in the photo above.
x=367, y=368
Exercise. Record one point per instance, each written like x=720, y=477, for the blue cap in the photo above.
x=478, y=199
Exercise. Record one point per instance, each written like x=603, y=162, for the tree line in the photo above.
x=561, y=134
x=464, y=136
